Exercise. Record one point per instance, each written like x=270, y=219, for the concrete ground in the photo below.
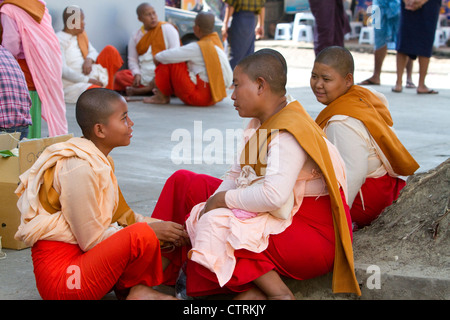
x=171, y=137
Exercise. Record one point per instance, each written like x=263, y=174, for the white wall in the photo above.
x=107, y=21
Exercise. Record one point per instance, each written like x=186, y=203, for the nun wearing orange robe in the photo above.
x=359, y=123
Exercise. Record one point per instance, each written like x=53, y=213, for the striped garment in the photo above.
x=15, y=102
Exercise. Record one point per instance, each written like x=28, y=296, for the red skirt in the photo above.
x=174, y=79
x=304, y=250
x=378, y=194
x=129, y=257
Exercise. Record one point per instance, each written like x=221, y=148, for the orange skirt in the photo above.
x=129, y=257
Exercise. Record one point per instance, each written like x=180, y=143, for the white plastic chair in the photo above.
x=367, y=35
x=301, y=19
x=283, y=31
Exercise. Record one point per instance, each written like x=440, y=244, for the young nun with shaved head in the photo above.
x=280, y=209
x=358, y=122
x=85, y=240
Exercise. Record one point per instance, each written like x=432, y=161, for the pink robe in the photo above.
x=43, y=56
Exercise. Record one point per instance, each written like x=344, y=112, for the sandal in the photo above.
x=410, y=85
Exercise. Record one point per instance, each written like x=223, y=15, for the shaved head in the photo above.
x=205, y=21
x=269, y=65
x=337, y=58
x=141, y=7
x=94, y=106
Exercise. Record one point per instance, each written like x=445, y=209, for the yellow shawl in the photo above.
x=294, y=119
x=362, y=104
x=153, y=37
x=213, y=67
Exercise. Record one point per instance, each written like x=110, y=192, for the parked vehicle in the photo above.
x=184, y=21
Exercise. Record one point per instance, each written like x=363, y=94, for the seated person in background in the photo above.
x=83, y=66
x=198, y=73
x=85, y=240
x=290, y=155
x=154, y=36
x=358, y=122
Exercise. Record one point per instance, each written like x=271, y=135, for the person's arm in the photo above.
x=171, y=36
x=133, y=60
x=90, y=60
x=285, y=160
x=354, y=150
x=175, y=55
x=259, y=31
x=79, y=206
x=229, y=10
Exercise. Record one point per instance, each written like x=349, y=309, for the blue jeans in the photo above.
x=23, y=131
x=241, y=36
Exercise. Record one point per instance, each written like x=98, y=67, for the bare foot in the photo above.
x=370, y=81
x=142, y=292
x=134, y=91
x=397, y=88
x=157, y=98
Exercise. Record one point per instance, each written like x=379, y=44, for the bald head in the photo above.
x=269, y=65
x=94, y=106
x=205, y=21
x=140, y=9
x=337, y=58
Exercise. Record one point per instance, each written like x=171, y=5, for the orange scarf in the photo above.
x=362, y=104
x=294, y=119
x=153, y=37
x=83, y=43
x=213, y=67
x=34, y=8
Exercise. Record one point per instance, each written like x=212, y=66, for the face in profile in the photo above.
x=148, y=17
x=245, y=94
x=118, y=130
x=328, y=84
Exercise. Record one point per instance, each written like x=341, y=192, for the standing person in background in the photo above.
x=15, y=102
x=418, y=22
x=28, y=34
x=331, y=23
x=153, y=37
x=386, y=30
x=246, y=26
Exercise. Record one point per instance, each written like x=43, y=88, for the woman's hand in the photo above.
x=214, y=202
x=171, y=232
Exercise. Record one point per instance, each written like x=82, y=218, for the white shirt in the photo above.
x=192, y=54
x=144, y=64
x=72, y=57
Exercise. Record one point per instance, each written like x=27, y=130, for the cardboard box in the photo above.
x=10, y=170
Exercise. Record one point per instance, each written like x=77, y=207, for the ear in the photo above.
x=261, y=84
x=349, y=80
x=99, y=130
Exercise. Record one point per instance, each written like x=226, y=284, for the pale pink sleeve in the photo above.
x=11, y=37
x=79, y=205
x=285, y=160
